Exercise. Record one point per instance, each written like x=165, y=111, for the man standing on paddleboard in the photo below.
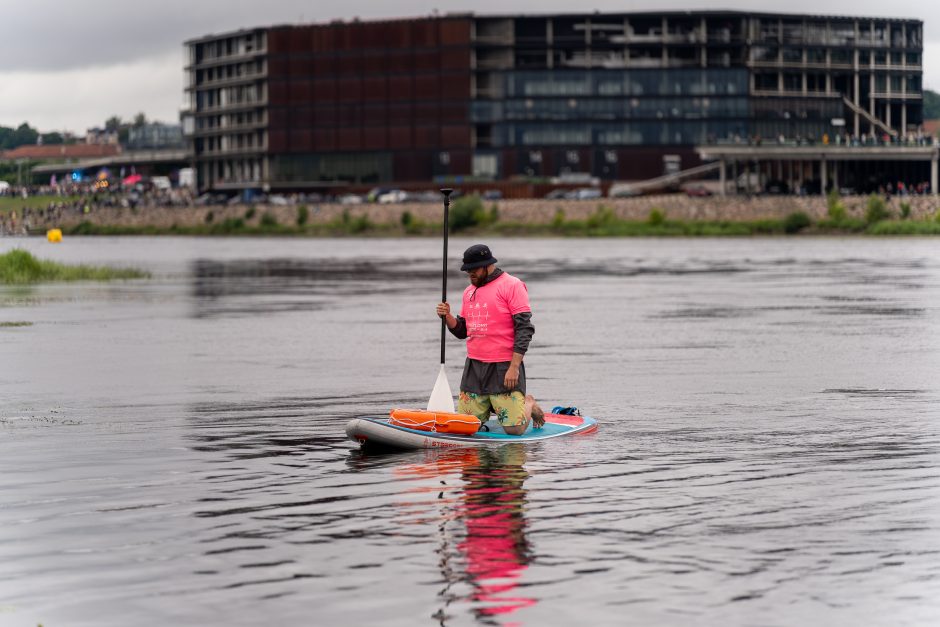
x=496, y=320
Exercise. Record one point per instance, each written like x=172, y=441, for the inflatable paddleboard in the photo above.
x=379, y=432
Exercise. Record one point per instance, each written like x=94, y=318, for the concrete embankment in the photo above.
x=675, y=206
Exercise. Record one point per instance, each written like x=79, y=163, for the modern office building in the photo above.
x=614, y=96
x=154, y=136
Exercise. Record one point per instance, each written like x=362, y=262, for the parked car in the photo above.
x=278, y=200
x=375, y=192
x=492, y=194
x=392, y=196
x=425, y=196
x=622, y=190
x=350, y=199
x=556, y=194
x=776, y=187
x=584, y=193
x=161, y=182
x=696, y=191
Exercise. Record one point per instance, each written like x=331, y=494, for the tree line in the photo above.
x=26, y=135
x=931, y=105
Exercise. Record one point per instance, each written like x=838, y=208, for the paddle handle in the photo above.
x=447, y=192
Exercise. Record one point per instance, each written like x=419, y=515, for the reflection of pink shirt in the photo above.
x=488, y=311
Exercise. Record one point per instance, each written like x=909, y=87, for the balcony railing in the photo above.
x=229, y=81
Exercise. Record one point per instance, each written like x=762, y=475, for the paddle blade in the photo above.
x=442, y=399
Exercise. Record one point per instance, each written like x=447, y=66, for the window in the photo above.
x=764, y=54
x=816, y=82
x=765, y=82
x=897, y=36
x=841, y=56
x=792, y=82
x=793, y=55
x=769, y=30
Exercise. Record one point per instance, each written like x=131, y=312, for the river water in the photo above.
x=769, y=447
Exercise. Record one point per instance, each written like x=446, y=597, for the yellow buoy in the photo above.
x=54, y=235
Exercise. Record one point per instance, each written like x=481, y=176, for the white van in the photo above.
x=161, y=182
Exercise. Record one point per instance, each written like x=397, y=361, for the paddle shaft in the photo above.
x=447, y=192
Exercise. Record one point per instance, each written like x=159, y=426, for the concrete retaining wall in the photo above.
x=676, y=206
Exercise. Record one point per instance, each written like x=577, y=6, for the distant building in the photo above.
x=155, y=136
x=61, y=152
x=619, y=96
x=100, y=136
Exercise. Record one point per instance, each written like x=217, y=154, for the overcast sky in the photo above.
x=70, y=66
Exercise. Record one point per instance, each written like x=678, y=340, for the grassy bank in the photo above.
x=19, y=267
x=9, y=203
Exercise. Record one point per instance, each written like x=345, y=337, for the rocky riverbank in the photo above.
x=374, y=217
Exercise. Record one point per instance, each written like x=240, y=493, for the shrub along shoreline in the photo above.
x=469, y=215
x=869, y=216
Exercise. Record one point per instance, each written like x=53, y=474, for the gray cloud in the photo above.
x=43, y=35
x=99, y=42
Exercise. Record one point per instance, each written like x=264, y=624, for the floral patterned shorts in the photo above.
x=509, y=408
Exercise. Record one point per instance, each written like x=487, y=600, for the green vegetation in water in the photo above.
x=603, y=222
x=905, y=227
x=19, y=267
x=15, y=324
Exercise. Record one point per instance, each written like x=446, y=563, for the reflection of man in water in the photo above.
x=491, y=507
x=496, y=548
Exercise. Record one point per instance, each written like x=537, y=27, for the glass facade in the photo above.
x=641, y=133
x=671, y=79
x=332, y=168
x=639, y=82
x=615, y=107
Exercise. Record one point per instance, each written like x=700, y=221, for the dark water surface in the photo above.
x=769, y=452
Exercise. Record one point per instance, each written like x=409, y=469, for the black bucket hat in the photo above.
x=477, y=256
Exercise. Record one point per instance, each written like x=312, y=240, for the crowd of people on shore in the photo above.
x=873, y=140
x=83, y=199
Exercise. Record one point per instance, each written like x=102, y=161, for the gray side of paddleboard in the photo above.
x=379, y=432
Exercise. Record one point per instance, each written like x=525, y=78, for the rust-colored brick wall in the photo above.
x=400, y=86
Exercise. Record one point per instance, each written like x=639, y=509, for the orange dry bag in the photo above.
x=439, y=421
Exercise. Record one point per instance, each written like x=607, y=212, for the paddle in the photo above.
x=442, y=399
